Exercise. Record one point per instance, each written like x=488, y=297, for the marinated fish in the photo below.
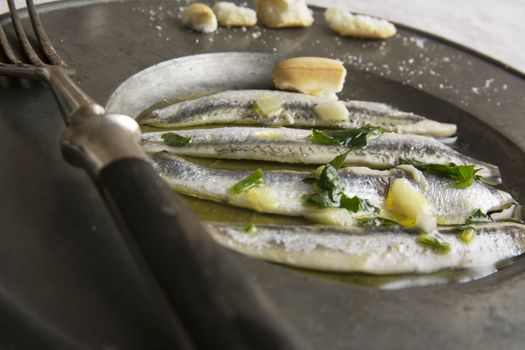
x=374, y=250
x=284, y=190
x=295, y=146
x=291, y=109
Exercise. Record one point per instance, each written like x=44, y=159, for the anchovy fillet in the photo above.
x=239, y=107
x=451, y=205
x=377, y=250
x=294, y=146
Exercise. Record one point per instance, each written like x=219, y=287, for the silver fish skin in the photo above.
x=376, y=250
x=294, y=146
x=451, y=205
x=238, y=107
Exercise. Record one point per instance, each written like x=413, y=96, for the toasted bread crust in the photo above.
x=230, y=15
x=361, y=26
x=311, y=75
x=284, y=13
x=199, y=17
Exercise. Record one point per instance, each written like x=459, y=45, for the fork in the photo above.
x=218, y=305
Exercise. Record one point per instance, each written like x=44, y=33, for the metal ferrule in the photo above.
x=99, y=140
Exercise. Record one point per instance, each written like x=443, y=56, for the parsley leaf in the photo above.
x=255, y=179
x=356, y=204
x=331, y=194
x=351, y=204
x=250, y=229
x=175, y=140
x=375, y=222
x=478, y=216
x=463, y=175
x=352, y=138
x=338, y=161
x=319, y=137
x=329, y=179
x=323, y=200
x=436, y=244
x=329, y=185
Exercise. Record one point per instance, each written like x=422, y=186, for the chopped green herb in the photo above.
x=250, y=229
x=329, y=185
x=353, y=138
x=437, y=245
x=175, y=140
x=330, y=188
x=356, y=204
x=338, y=161
x=376, y=222
x=477, y=216
x=351, y=204
x=329, y=179
x=255, y=179
x=320, y=137
x=323, y=200
x=467, y=235
x=463, y=175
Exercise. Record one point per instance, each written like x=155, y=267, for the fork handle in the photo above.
x=214, y=298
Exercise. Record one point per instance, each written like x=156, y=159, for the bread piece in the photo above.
x=231, y=15
x=284, y=13
x=311, y=75
x=199, y=17
x=347, y=24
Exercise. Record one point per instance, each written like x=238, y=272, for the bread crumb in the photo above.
x=362, y=26
x=310, y=75
x=230, y=15
x=199, y=17
x=284, y=13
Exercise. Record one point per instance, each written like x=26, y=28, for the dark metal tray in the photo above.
x=65, y=271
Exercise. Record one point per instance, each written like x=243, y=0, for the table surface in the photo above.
x=493, y=28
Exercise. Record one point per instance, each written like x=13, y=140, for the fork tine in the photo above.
x=6, y=48
x=22, y=37
x=41, y=34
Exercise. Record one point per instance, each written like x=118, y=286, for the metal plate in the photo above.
x=62, y=257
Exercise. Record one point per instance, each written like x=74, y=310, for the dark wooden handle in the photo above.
x=213, y=297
